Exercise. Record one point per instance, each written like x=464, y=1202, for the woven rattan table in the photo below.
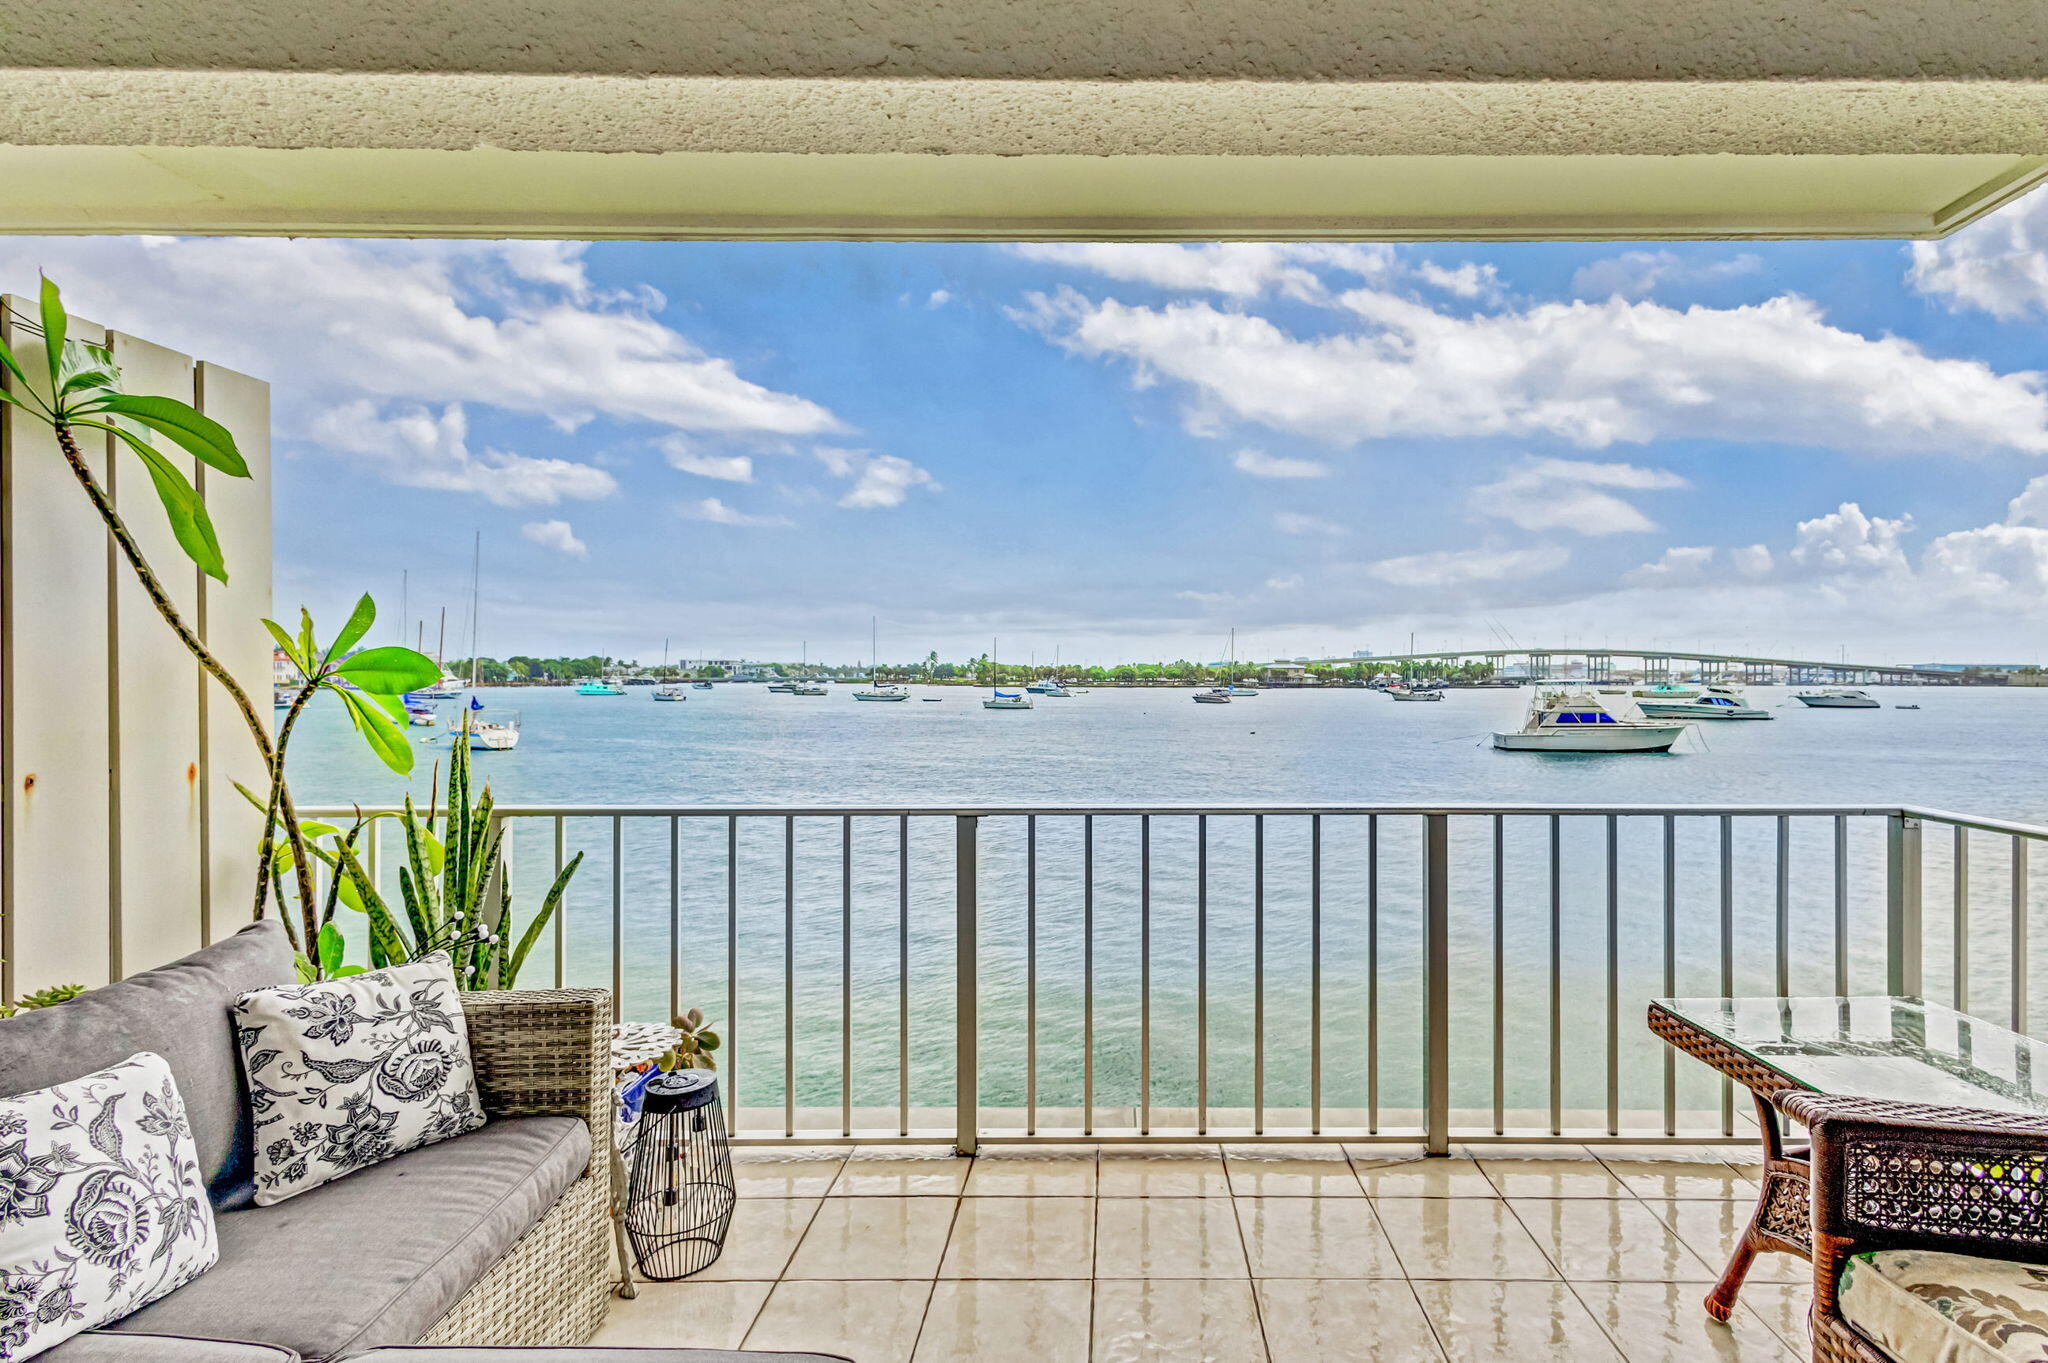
x=1864, y=1047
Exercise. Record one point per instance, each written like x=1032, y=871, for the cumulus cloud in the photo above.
x=341, y=327
x=1234, y=269
x=1997, y=265
x=1468, y=280
x=1300, y=523
x=1590, y=374
x=718, y=513
x=1571, y=494
x=687, y=458
x=938, y=298
x=1637, y=274
x=878, y=479
x=417, y=446
x=1259, y=464
x=1284, y=584
x=555, y=535
x=1849, y=540
x=1458, y=567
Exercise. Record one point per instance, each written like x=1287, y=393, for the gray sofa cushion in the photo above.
x=97, y=1346
x=599, y=1354
x=180, y=1011
x=381, y=1255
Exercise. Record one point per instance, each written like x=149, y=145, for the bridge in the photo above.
x=1656, y=665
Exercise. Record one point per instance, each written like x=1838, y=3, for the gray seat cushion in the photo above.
x=179, y=1011
x=381, y=1255
x=97, y=1346
x=458, y=1354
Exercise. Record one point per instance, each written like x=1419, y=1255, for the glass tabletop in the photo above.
x=1904, y=1049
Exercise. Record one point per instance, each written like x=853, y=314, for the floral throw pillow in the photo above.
x=345, y=1073
x=102, y=1207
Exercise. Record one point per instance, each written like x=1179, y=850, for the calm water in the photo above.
x=1978, y=751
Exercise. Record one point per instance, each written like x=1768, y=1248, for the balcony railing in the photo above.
x=1454, y=973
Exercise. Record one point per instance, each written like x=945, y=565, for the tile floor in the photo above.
x=1286, y=1254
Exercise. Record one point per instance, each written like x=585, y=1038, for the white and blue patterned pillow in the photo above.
x=345, y=1073
x=102, y=1206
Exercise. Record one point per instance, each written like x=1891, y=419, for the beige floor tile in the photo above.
x=902, y=1171
x=1404, y=1171
x=800, y=1171
x=1598, y=1239
x=1315, y=1321
x=1290, y=1171
x=1006, y=1322
x=762, y=1236
x=1783, y=1307
x=875, y=1237
x=1167, y=1237
x=1161, y=1171
x=1664, y=1323
x=1183, y=1321
x=875, y=1322
x=1034, y=1171
x=1711, y=1229
x=1022, y=1237
x=1548, y=1171
x=1512, y=1322
x=1676, y=1171
x=1314, y=1237
x=1460, y=1237
x=691, y=1315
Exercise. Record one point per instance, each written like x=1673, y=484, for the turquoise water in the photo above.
x=1978, y=751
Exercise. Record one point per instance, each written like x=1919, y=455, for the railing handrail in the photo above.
x=1245, y=808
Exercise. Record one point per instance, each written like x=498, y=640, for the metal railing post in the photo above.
x=967, y=1092
x=1436, y=1031
x=1903, y=937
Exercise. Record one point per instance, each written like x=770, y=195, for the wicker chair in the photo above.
x=1889, y=1175
x=545, y=1052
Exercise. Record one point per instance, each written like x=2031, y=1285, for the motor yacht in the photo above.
x=1668, y=691
x=1579, y=722
x=1716, y=701
x=1837, y=698
x=1411, y=693
x=1215, y=695
x=600, y=686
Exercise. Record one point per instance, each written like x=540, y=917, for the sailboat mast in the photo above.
x=476, y=566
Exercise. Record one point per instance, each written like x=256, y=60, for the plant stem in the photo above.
x=118, y=528
x=282, y=810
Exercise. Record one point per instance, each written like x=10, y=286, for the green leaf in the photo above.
x=345, y=972
x=389, y=671
x=189, y=521
x=285, y=642
x=205, y=439
x=13, y=365
x=54, y=323
x=306, y=646
x=352, y=633
x=386, y=739
x=332, y=949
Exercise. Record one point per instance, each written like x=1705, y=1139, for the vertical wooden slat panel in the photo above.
x=56, y=886
x=156, y=698
x=233, y=629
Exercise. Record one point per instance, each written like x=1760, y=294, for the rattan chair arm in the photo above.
x=544, y=1052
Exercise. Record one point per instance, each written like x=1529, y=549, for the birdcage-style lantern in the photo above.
x=679, y=1191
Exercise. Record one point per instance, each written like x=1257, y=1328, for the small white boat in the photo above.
x=282, y=695
x=1242, y=691
x=1051, y=688
x=1668, y=691
x=882, y=691
x=497, y=734
x=807, y=689
x=700, y=686
x=419, y=716
x=1717, y=701
x=877, y=689
x=1407, y=693
x=1837, y=698
x=1569, y=722
x=785, y=687
x=1219, y=695
x=669, y=693
x=448, y=688
x=1007, y=700
x=931, y=700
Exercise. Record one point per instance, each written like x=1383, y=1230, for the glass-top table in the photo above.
x=1904, y=1049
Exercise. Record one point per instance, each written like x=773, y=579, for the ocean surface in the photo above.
x=1328, y=913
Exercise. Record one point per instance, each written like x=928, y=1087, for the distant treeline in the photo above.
x=520, y=668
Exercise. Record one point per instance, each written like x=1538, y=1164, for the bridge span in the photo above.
x=1544, y=664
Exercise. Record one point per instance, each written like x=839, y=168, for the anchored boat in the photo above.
x=1837, y=698
x=1717, y=701
x=1577, y=722
x=600, y=686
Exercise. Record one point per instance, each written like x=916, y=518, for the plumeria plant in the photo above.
x=74, y=386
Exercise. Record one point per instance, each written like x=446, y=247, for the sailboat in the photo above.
x=875, y=689
x=483, y=735
x=1052, y=686
x=668, y=690
x=1236, y=690
x=1000, y=699
x=1222, y=695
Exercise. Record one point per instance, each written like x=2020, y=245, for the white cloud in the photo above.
x=1591, y=374
x=1234, y=269
x=1284, y=584
x=416, y=446
x=1566, y=494
x=1691, y=565
x=1636, y=274
x=1259, y=464
x=555, y=535
x=1299, y=523
x=1468, y=280
x=878, y=479
x=938, y=298
x=2031, y=506
x=1998, y=265
x=410, y=326
x=1457, y=567
x=685, y=458
x=1994, y=563
x=1847, y=540
x=718, y=513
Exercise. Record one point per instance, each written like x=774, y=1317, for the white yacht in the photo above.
x=1668, y=691
x=807, y=689
x=1717, y=700
x=1579, y=722
x=669, y=692
x=1410, y=693
x=1215, y=695
x=1837, y=698
x=877, y=689
x=499, y=734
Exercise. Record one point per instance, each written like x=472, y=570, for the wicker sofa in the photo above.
x=1930, y=1231
x=497, y=1237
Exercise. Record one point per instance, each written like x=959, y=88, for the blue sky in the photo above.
x=1124, y=451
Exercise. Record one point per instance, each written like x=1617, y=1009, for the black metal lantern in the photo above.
x=680, y=1194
